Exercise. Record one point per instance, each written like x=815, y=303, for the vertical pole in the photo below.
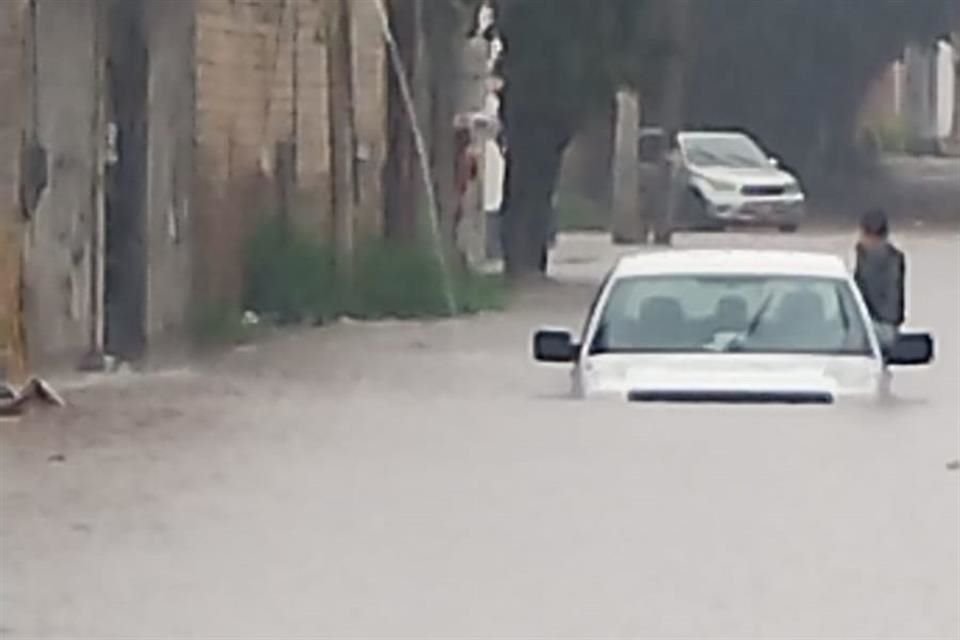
x=339, y=73
x=98, y=231
x=672, y=112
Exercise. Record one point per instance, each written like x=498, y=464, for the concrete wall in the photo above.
x=228, y=82
x=261, y=80
x=930, y=95
x=242, y=108
x=946, y=75
x=61, y=298
x=11, y=38
x=884, y=101
x=58, y=241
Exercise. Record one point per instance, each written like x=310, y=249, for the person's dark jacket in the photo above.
x=880, y=275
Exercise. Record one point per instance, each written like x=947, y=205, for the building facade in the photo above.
x=11, y=39
x=918, y=96
x=154, y=137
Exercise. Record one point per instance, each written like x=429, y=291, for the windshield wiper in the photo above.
x=737, y=344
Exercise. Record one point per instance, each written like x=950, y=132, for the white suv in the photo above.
x=723, y=179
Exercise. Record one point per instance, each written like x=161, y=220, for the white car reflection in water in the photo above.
x=729, y=326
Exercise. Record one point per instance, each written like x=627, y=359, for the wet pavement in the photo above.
x=428, y=480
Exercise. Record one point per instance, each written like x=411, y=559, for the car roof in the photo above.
x=731, y=262
x=716, y=134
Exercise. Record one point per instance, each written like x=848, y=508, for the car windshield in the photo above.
x=724, y=314
x=736, y=152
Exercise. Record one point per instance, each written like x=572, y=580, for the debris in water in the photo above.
x=14, y=403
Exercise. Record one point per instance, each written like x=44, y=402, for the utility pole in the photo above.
x=341, y=120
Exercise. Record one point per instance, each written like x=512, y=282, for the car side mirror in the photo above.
x=554, y=346
x=774, y=162
x=911, y=350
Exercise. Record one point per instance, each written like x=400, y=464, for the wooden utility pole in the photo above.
x=341, y=120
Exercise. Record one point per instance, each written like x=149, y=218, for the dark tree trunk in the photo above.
x=535, y=149
x=443, y=27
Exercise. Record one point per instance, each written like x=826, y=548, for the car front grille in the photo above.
x=731, y=397
x=754, y=190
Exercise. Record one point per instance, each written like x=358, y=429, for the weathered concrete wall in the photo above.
x=11, y=86
x=261, y=81
x=248, y=74
x=169, y=165
x=57, y=247
x=11, y=39
x=884, y=101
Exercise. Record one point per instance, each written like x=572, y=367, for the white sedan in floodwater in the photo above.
x=729, y=326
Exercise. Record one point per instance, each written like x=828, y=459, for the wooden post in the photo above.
x=341, y=121
x=100, y=151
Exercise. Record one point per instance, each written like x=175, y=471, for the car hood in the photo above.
x=762, y=177
x=728, y=377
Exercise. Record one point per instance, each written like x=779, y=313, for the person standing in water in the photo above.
x=880, y=275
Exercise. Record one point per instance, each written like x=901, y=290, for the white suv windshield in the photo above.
x=722, y=314
x=736, y=152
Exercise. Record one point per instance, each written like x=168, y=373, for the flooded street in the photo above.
x=430, y=480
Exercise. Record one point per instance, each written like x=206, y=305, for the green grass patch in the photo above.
x=293, y=279
x=289, y=277
x=407, y=281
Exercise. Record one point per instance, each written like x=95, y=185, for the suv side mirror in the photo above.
x=554, y=346
x=911, y=349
